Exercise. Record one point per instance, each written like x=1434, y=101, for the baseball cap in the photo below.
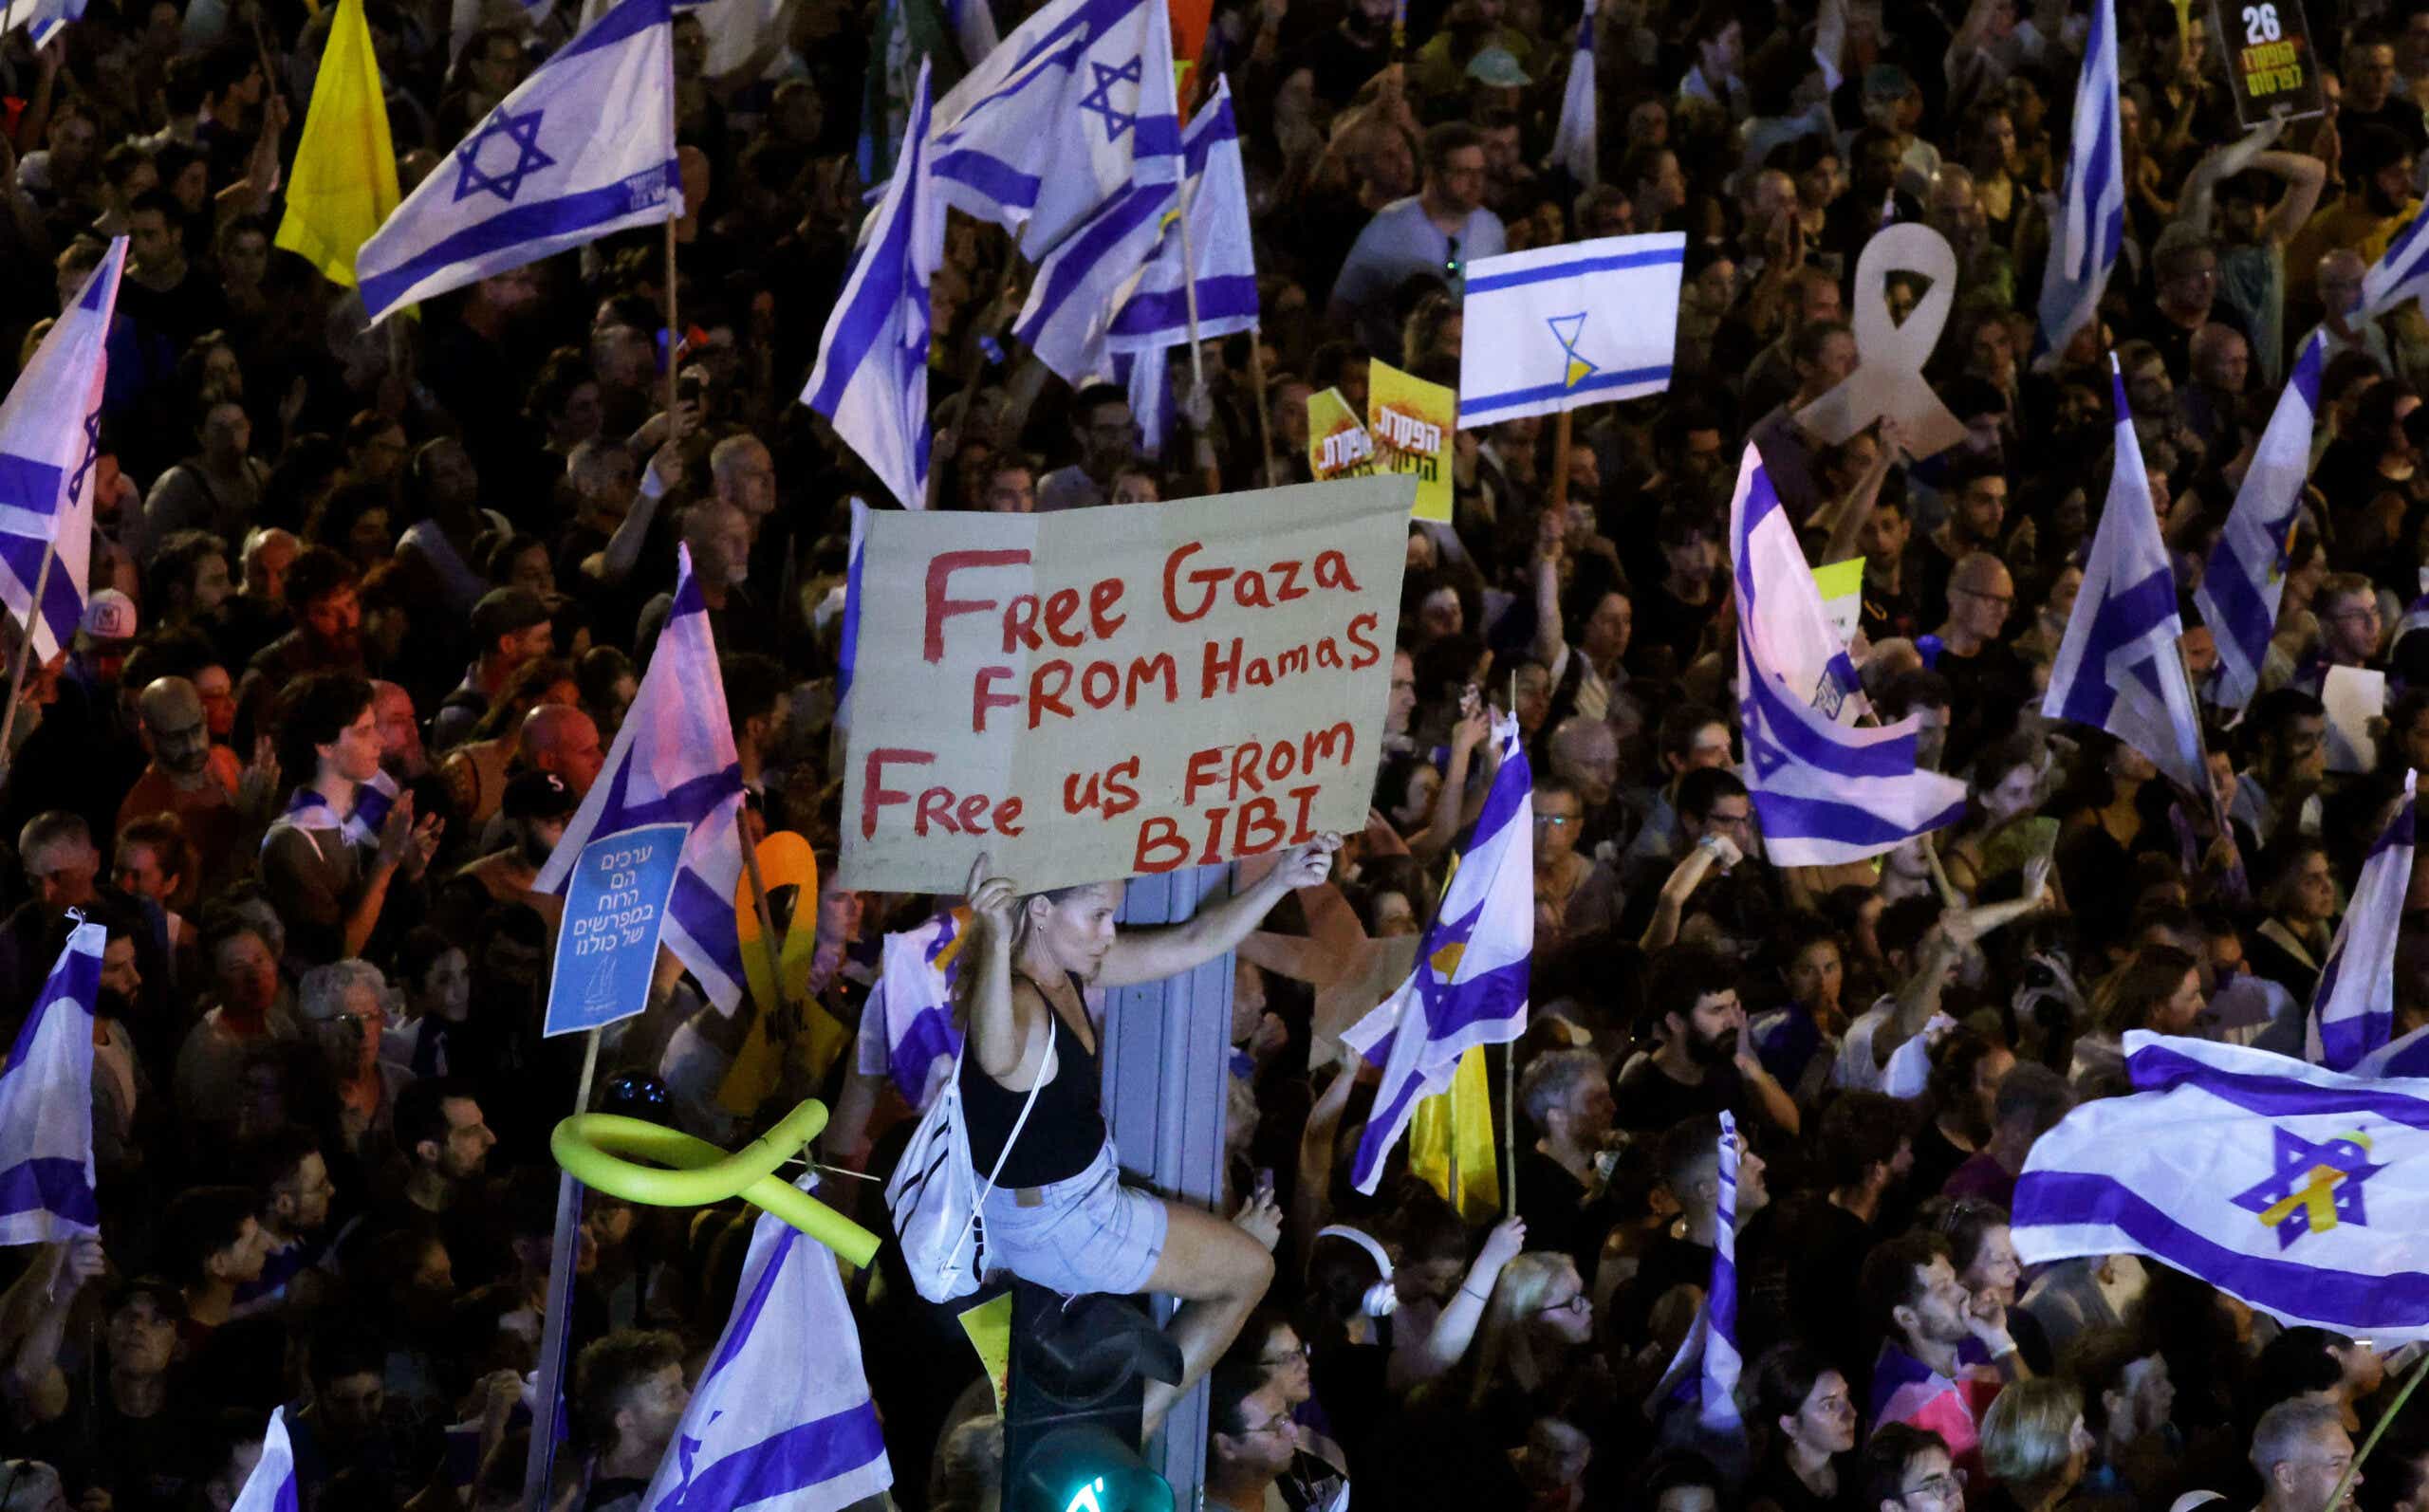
x=538, y=795
x=505, y=612
x=1498, y=69
x=1886, y=80
x=109, y=615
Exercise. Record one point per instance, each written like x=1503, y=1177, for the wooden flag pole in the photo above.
x=1264, y=412
x=26, y=652
x=1560, y=469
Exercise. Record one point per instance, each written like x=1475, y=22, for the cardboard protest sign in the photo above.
x=1411, y=422
x=1099, y=692
x=2266, y=44
x=1337, y=446
x=1889, y=376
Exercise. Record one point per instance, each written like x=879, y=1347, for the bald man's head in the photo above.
x=174, y=730
x=562, y=739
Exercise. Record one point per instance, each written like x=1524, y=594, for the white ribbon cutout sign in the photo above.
x=1888, y=379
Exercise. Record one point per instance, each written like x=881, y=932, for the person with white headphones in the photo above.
x=1452, y=1329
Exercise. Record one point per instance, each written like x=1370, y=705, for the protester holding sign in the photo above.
x=1060, y=1215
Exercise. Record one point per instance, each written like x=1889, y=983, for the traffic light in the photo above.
x=1079, y=1378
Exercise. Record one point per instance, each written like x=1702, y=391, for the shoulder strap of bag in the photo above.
x=1045, y=1075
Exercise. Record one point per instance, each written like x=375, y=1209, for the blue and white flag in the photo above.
x=1722, y=1363
x=782, y=1416
x=1148, y=379
x=674, y=761
x=2245, y=574
x=1573, y=139
x=1826, y=792
x=1577, y=324
x=1155, y=313
x=847, y=654
x=2353, y=1009
x=1117, y=282
x=2091, y=225
x=50, y=430
x=46, y=1192
x=42, y=19
x=2298, y=1191
x=1067, y=113
x=1705, y=1370
x=2401, y=272
x=359, y=826
x=271, y=1487
x=2118, y=667
x=1470, y=986
x=872, y=374
x=907, y=1033
x=584, y=147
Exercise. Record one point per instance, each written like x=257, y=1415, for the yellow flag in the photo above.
x=344, y=181
x=1460, y=1119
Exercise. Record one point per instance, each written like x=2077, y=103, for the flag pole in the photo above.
x=1561, y=429
x=556, y=1323
x=26, y=652
x=1510, y=1128
x=2378, y=1429
x=1450, y=1144
x=1264, y=416
x=1189, y=281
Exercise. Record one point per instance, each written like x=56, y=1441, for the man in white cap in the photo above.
x=104, y=638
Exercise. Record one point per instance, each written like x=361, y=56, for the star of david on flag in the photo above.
x=1098, y=101
x=2315, y=1186
x=2298, y=1189
x=1470, y=986
x=605, y=99
x=523, y=132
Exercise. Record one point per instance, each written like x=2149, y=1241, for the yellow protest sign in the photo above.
x=1337, y=446
x=1411, y=422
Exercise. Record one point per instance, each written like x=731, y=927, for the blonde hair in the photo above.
x=1503, y=1339
x=2027, y=1435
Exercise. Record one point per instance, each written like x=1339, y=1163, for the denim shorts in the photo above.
x=1084, y=1233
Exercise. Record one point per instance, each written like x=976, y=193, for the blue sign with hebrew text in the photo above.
x=615, y=906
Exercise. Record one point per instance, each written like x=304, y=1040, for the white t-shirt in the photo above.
x=1910, y=1064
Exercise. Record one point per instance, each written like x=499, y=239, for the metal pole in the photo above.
x=557, y=1322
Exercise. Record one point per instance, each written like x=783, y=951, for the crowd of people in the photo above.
x=367, y=606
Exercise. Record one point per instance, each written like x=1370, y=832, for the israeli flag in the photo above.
x=2354, y=1011
x=1722, y=1363
x=1155, y=315
x=271, y=1487
x=47, y=1104
x=2298, y=1191
x=1827, y=791
x=782, y=1417
x=2090, y=227
x=1573, y=139
x=1582, y=323
x=907, y=1033
x=2245, y=574
x=847, y=654
x=1706, y=1368
x=42, y=19
x=674, y=761
x=1470, y=986
x=872, y=375
x=1117, y=283
x=2401, y=272
x=1072, y=109
x=584, y=147
x=2118, y=668
x=50, y=435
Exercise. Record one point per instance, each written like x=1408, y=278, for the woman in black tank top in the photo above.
x=1059, y=1216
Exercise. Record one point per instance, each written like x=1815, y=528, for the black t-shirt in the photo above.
x=1985, y=692
x=1340, y=64
x=1650, y=1100
x=1558, y=1216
